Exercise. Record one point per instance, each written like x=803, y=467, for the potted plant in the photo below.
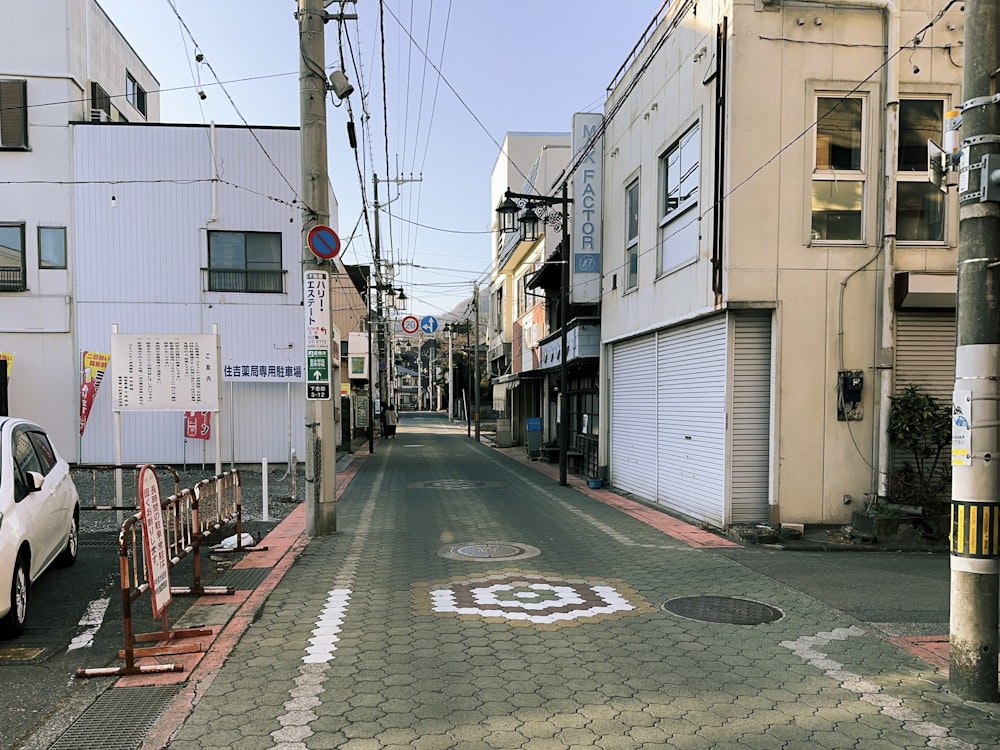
x=919, y=490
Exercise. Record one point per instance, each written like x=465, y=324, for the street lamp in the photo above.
x=510, y=215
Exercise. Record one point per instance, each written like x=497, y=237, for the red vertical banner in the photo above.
x=95, y=364
x=198, y=425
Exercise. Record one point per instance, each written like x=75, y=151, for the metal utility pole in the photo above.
x=451, y=376
x=975, y=507
x=320, y=423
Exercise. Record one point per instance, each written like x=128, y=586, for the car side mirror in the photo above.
x=35, y=481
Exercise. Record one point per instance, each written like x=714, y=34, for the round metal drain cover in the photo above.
x=726, y=609
x=488, y=551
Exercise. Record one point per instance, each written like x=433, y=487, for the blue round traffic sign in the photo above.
x=323, y=242
x=428, y=324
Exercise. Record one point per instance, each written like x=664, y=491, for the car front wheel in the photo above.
x=13, y=624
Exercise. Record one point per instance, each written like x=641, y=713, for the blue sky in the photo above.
x=518, y=65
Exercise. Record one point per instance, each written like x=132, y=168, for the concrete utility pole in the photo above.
x=975, y=508
x=321, y=428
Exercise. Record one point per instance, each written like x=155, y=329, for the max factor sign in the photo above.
x=585, y=270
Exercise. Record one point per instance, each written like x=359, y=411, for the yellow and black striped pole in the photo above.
x=975, y=557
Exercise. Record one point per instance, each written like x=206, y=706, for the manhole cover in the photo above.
x=489, y=551
x=727, y=609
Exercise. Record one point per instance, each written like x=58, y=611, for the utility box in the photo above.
x=505, y=437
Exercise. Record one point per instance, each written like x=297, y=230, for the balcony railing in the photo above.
x=241, y=280
x=12, y=280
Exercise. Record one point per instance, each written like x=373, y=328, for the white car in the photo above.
x=39, y=516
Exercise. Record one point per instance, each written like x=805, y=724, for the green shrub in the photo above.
x=921, y=425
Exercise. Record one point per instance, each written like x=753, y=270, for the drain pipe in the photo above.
x=884, y=355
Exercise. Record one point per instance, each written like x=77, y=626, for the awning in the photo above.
x=925, y=289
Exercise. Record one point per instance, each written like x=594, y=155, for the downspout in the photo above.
x=890, y=106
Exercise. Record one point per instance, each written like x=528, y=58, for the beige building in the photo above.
x=776, y=263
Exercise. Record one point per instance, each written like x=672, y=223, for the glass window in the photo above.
x=245, y=262
x=838, y=133
x=838, y=183
x=680, y=169
x=51, y=247
x=680, y=175
x=920, y=206
x=13, y=114
x=632, y=235
x=135, y=93
x=43, y=448
x=12, y=276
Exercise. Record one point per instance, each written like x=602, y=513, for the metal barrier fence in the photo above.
x=189, y=516
x=105, y=480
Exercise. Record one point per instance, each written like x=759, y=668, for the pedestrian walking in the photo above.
x=391, y=420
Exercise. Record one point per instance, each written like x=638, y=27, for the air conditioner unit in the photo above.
x=99, y=115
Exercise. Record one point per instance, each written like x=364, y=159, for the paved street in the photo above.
x=468, y=601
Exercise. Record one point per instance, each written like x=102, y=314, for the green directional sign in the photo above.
x=317, y=374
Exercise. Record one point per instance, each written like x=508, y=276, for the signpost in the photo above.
x=317, y=294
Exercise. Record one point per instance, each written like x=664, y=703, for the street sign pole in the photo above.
x=320, y=422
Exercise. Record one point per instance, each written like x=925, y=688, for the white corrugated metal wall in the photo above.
x=138, y=264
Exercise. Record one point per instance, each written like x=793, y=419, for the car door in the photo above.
x=35, y=508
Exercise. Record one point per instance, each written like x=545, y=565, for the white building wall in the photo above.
x=56, y=46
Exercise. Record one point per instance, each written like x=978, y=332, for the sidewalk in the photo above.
x=368, y=639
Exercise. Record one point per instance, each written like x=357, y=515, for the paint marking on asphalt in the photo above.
x=807, y=647
x=91, y=622
x=311, y=681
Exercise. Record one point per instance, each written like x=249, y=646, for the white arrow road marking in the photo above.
x=91, y=621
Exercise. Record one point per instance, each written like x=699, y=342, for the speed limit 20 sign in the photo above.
x=410, y=324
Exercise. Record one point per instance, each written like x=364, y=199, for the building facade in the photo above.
x=776, y=263
x=110, y=218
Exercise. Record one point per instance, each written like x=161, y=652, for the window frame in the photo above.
x=135, y=94
x=669, y=222
x=215, y=274
x=920, y=176
x=11, y=85
x=43, y=265
x=819, y=175
x=632, y=204
x=14, y=284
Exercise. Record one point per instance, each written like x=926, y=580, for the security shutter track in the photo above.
x=633, y=417
x=691, y=390
x=751, y=419
x=925, y=356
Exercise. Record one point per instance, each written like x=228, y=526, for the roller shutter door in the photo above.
x=633, y=417
x=925, y=356
x=750, y=433
x=691, y=410
x=925, y=351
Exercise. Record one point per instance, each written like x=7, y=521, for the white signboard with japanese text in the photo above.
x=165, y=371
x=317, y=297
x=154, y=540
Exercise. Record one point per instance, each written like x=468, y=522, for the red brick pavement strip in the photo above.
x=674, y=527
